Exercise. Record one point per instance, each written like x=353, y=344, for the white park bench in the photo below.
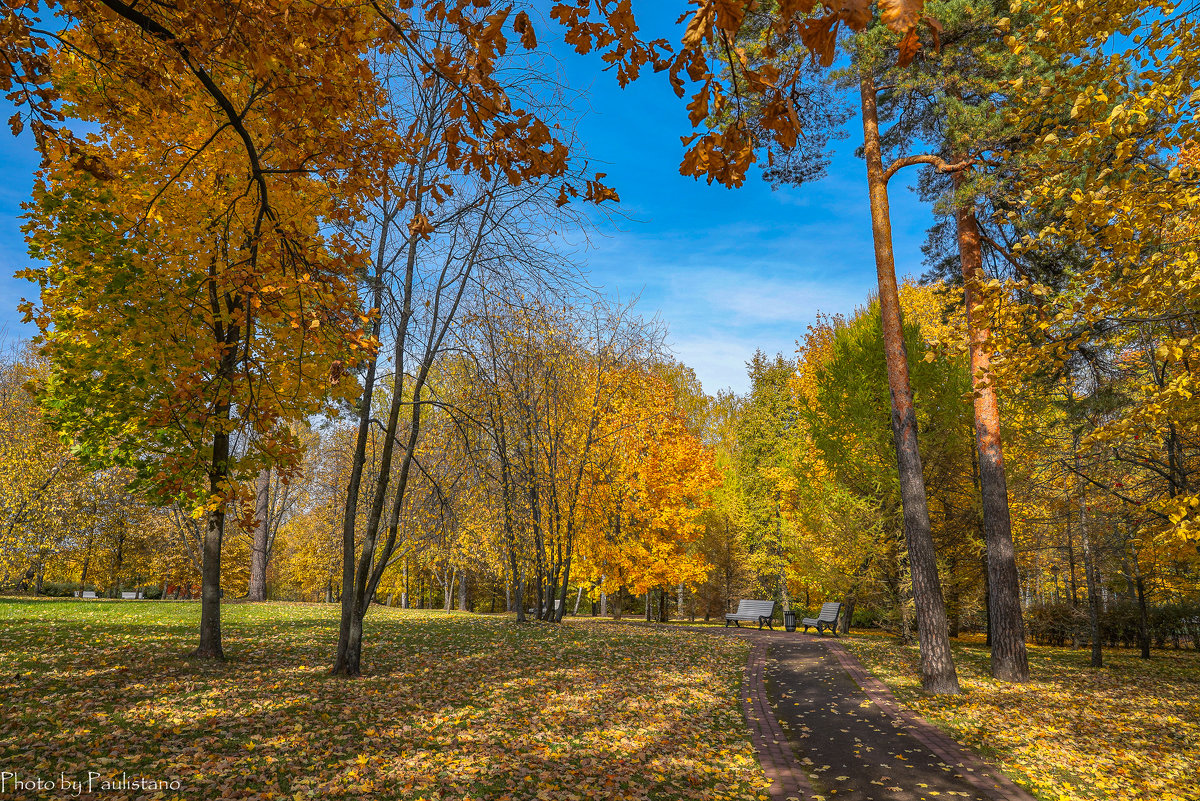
x=752, y=612
x=557, y=606
x=827, y=617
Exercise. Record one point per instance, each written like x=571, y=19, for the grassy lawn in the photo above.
x=1130, y=730
x=455, y=706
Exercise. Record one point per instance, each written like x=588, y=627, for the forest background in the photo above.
x=375, y=375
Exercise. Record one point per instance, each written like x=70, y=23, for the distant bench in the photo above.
x=557, y=606
x=828, y=617
x=752, y=612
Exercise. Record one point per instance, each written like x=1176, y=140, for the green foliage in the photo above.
x=55, y=589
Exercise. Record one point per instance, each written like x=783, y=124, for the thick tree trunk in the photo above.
x=210, y=572
x=937, y=661
x=262, y=529
x=462, y=591
x=1009, y=660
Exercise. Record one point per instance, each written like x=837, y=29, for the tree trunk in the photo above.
x=210, y=572
x=262, y=528
x=1009, y=660
x=462, y=591
x=520, y=599
x=1143, y=618
x=1089, y=570
x=937, y=662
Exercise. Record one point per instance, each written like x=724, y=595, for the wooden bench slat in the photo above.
x=752, y=611
x=827, y=617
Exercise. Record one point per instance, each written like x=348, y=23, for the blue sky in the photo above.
x=728, y=270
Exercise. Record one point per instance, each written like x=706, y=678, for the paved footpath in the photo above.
x=824, y=728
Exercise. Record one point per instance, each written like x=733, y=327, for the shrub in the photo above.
x=59, y=589
x=1057, y=624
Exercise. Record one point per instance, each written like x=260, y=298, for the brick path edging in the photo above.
x=779, y=763
x=990, y=781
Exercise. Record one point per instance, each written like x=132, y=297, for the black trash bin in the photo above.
x=789, y=621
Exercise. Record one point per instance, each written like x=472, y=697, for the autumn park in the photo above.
x=489, y=400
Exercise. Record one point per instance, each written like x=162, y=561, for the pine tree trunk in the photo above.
x=937, y=662
x=1009, y=660
x=262, y=528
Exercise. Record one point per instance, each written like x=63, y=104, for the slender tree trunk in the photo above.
x=1143, y=617
x=348, y=653
x=1071, y=561
x=262, y=529
x=1089, y=569
x=937, y=662
x=115, y=590
x=520, y=599
x=1009, y=660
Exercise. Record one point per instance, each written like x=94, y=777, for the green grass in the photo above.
x=453, y=706
x=1129, y=730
